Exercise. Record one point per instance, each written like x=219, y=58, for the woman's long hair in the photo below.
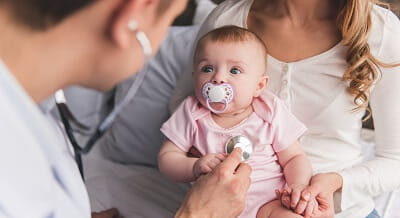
x=354, y=23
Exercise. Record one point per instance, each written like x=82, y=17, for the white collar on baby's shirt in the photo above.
x=264, y=106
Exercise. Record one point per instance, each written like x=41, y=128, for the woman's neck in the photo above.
x=299, y=12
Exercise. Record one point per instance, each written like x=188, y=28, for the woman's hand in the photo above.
x=322, y=186
x=316, y=200
x=291, y=198
x=220, y=193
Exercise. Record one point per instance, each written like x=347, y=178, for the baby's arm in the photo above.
x=174, y=163
x=298, y=172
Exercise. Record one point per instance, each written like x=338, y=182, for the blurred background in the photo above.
x=189, y=16
x=395, y=6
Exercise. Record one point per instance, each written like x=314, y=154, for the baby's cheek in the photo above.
x=199, y=96
x=244, y=98
x=197, y=92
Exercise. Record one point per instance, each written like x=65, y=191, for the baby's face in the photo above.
x=240, y=64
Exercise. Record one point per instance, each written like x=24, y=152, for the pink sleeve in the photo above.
x=180, y=128
x=286, y=128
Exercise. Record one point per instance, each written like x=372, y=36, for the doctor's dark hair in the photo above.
x=230, y=33
x=41, y=14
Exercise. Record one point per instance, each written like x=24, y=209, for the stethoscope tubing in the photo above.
x=103, y=126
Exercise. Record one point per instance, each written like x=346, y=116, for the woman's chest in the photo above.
x=290, y=42
x=314, y=90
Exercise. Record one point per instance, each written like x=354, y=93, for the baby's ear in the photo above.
x=261, y=85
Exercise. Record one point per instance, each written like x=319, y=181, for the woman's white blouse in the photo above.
x=314, y=91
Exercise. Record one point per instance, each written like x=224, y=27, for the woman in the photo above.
x=328, y=60
x=48, y=45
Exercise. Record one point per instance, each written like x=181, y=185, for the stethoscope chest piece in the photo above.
x=242, y=142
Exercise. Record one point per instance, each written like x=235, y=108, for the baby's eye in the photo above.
x=235, y=71
x=207, y=69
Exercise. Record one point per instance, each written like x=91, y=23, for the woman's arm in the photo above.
x=174, y=163
x=377, y=176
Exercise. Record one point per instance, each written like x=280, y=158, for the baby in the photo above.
x=231, y=103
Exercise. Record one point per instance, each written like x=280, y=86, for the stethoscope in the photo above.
x=242, y=142
x=71, y=124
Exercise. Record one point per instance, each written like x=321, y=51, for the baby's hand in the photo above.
x=207, y=163
x=291, y=198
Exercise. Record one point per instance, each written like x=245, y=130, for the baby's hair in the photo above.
x=231, y=34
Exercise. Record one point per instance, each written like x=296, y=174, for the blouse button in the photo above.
x=285, y=68
x=284, y=96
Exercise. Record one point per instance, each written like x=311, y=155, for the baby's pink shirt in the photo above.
x=271, y=128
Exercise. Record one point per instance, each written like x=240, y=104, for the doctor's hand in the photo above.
x=220, y=193
x=110, y=213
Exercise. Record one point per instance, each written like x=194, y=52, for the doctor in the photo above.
x=48, y=45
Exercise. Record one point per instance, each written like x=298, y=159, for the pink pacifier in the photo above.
x=217, y=93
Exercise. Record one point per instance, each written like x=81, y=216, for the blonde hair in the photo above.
x=354, y=23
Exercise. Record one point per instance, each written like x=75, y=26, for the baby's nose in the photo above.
x=218, y=78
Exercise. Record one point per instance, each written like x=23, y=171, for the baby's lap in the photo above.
x=262, y=190
x=274, y=209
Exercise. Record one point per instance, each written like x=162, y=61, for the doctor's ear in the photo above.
x=128, y=19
